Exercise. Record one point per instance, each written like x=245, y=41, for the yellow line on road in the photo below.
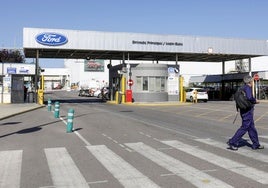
x=225, y=117
x=261, y=117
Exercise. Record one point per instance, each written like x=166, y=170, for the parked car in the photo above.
x=202, y=94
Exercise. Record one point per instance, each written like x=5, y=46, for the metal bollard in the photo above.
x=49, y=105
x=70, y=120
x=57, y=110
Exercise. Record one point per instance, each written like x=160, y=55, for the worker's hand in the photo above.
x=257, y=101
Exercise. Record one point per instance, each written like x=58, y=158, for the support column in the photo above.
x=111, y=82
x=123, y=80
x=36, y=75
x=223, y=67
x=250, y=73
x=128, y=71
x=2, y=93
x=249, y=66
x=222, y=81
x=180, y=87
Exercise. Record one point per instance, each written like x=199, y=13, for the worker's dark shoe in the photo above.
x=231, y=146
x=259, y=147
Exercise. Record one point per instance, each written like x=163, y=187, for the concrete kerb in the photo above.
x=172, y=103
x=12, y=110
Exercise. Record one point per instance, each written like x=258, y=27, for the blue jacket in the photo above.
x=248, y=91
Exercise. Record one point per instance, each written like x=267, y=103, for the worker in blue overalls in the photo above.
x=247, y=120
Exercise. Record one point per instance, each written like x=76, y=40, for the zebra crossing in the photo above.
x=10, y=168
x=123, y=171
x=65, y=173
x=179, y=168
x=228, y=164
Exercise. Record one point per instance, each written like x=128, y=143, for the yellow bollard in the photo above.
x=116, y=98
x=123, y=89
x=40, y=96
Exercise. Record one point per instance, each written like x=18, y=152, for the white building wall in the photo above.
x=56, y=72
x=86, y=79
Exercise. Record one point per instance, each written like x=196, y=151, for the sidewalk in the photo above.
x=8, y=110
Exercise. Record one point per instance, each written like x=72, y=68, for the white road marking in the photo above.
x=64, y=172
x=98, y=182
x=263, y=136
x=191, y=174
x=78, y=134
x=82, y=138
x=10, y=168
x=126, y=174
x=239, y=168
x=245, y=152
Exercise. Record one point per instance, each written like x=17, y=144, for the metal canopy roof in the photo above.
x=74, y=44
x=118, y=55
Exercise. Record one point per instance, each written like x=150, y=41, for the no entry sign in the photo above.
x=256, y=77
x=130, y=82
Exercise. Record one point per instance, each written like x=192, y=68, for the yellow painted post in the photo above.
x=40, y=91
x=40, y=96
x=182, y=96
x=123, y=89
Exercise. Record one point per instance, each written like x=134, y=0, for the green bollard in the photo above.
x=70, y=120
x=57, y=110
x=49, y=105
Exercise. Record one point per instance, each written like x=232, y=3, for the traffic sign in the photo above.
x=130, y=82
x=256, y=77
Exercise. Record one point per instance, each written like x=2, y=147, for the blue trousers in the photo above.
x=247, y=126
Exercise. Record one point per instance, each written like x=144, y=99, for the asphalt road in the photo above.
x=138, y=145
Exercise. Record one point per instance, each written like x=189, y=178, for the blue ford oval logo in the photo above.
x=51, y=39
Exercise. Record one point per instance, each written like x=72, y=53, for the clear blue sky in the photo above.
x=218, y=18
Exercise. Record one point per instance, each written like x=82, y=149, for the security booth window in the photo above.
x=145, y=83
x=151, y=84
x=163, y=84
x=139, y=85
